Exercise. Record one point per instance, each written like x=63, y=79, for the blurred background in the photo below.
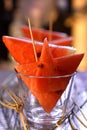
x=68, y=16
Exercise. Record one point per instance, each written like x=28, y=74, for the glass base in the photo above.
x=41, y=117
x=34, y=126
x=45, y=121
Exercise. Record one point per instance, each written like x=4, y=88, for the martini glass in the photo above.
x=36, y=115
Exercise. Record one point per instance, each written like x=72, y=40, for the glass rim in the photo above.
x=52, y=77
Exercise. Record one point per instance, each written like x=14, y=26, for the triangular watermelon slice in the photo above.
x=47, y=100
x=19, y=47
x=47, y=66
x=67, y=41
x=39, y=34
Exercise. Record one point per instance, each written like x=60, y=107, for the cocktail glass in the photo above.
x=35, y=113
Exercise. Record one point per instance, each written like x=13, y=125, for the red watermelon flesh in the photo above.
x=22, y=49
x=39, y=34
x=68, y=64
x=44, y=90
x=67, y=41
x=49, y=66
x=47, y=100
x=50, y=98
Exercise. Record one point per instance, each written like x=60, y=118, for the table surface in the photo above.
x=10, y=120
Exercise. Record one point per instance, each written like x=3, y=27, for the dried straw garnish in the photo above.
x=17, y=105
x=35, y=53
x=82, y=115
x=80, y=110
x=71, y=124
x=63, y=118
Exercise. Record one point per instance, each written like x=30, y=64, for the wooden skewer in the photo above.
x=51, y=21
x=50, y=28
x=35, y=53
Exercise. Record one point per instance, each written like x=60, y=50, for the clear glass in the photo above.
x=35, y=113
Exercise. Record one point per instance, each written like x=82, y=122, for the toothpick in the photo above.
x=50, y=28
x=51, y=21
x=32, y=40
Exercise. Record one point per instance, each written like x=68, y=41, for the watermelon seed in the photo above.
x=38, y=54
x=41, y=65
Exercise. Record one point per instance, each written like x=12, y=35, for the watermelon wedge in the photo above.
x=46, y=89
x=39, y=34
x=53, y=61
x=48, y=66
x=19, y=47
x=48, y=100
x=67, y=41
